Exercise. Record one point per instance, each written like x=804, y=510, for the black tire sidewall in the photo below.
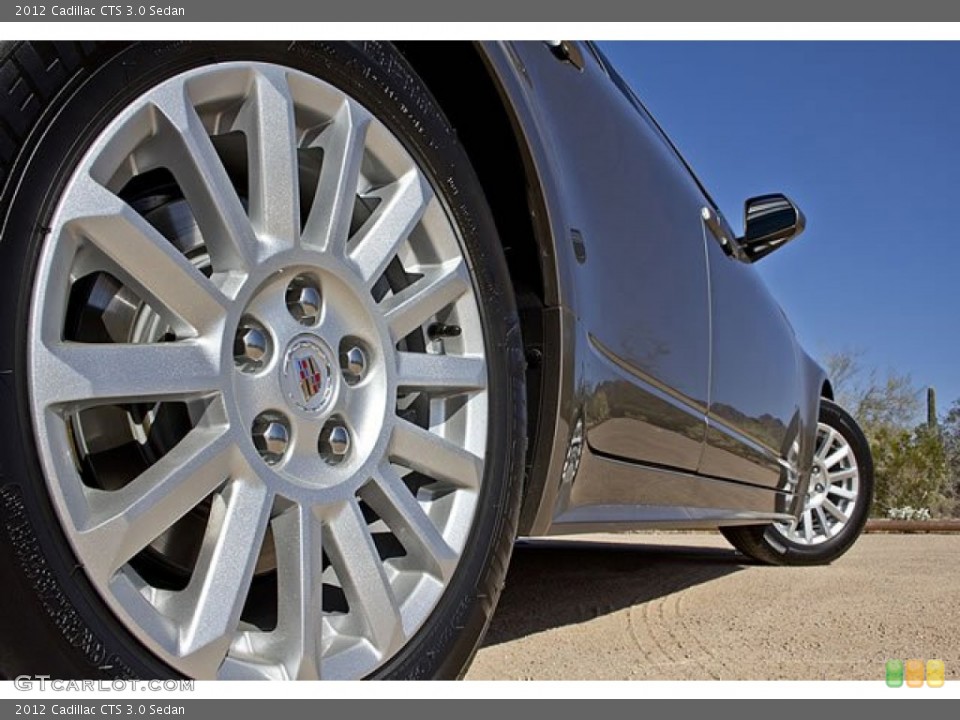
x=74, y=634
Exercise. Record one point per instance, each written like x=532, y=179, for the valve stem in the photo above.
x=439, y=331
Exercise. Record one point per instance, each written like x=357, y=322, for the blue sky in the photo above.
x=865, y=137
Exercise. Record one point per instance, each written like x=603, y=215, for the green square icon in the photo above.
x=894, y=673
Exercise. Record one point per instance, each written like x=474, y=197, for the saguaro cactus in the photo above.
x=931, y=408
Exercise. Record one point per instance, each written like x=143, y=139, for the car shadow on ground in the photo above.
x=552, y=583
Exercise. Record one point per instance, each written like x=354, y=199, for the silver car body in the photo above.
x=676, y=394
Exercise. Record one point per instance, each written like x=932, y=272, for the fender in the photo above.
x=557, y=407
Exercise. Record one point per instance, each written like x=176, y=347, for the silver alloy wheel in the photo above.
x=832, y=494
x=278, y=301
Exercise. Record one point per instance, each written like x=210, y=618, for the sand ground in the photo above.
x=677, y=606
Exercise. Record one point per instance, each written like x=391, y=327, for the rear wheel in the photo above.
x=268, y=370
x=835, y=507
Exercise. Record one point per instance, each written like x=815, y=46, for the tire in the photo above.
x=278, y=429
x=846, y=476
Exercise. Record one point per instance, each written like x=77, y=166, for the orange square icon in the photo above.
x=914, y=673
x=935, y=673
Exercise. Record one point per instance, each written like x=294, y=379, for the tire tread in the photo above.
x=32, y=74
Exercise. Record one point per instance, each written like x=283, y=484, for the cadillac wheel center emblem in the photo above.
x=311, y=376
x=307, y=376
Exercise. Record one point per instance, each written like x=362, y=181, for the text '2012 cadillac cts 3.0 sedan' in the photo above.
x=299, y=338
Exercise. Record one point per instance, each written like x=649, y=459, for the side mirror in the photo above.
x=770, y=222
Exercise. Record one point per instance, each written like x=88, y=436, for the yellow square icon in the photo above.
x=935, y=673
x=914, y=673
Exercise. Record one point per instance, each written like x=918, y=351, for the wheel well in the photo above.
x=472, y=103
x=827, y=390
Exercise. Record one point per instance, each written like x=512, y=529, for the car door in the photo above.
x=755, y=375
x=642, y=298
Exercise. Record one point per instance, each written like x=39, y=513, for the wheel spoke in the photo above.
x=188, y=151
x=122, y=522
x=440, y=286
x=827, y=443
x=156, y=270
x=434, y=456
x=824, y=527
x=843, y=475
x=392, y=500
x=267, y=118
x=841, y=491
x=297, y=538
x=342, y=142
x=79, y=372
x=440, y=373
x=212, y=602
x=354, y=556
x=808, y=525
x=837, y=456
x=835, y=511
x=377, y=242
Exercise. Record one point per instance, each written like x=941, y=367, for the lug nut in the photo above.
x=353, y=363
x=303, y=301
x=250, y=347
x=334, y=443
x=339, y=440
x=271, y=437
